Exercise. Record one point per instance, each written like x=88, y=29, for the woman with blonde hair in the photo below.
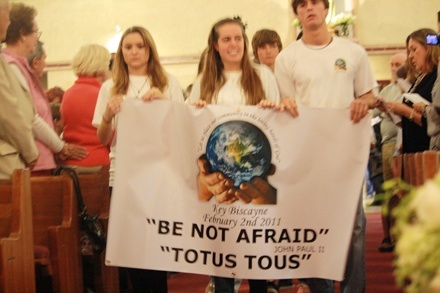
x=90, y=65
x=136, y=74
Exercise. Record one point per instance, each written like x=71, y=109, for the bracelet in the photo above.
x=411, y=116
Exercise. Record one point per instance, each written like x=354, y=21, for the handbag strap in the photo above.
x=74, y=176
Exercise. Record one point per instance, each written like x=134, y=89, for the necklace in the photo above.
x=417, y=82
x=136, y=90
x=312, y=47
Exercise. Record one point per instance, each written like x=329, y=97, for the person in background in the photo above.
x=136, y=74
x=266, y=44
x=388, y=129
x=37, y=61
x=90, y=65
x=432, y=111
x=55, y=94
x=391, y=92
x=56, y=115
x=17, y=144
x=21, y=40
x=405, y=77
x=423, y=59
x=188, y=89
x=230, y=78
x=307, y=76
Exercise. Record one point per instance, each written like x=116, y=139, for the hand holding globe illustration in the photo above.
x=258, y=191
x=236, y=165
x=214, y=183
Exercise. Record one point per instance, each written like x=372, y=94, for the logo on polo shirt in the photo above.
x=340, y=65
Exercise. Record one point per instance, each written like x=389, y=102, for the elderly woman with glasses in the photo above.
x=21, y=40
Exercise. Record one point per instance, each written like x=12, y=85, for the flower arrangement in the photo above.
x=418, y=239
x=342, y=19
x=296, y=22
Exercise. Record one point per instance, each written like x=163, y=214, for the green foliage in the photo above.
x=391, y=187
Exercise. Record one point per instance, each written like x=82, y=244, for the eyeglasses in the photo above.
x=38, y=34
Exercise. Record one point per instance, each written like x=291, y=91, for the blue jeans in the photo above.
x=355, y=277
x=370, y=186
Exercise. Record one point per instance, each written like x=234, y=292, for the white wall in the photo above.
x=382, y=23
x=180, y=27
x=391, y=21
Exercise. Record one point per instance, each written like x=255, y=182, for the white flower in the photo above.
x=418, y=239
x=434, y=286
x=296, y=22
x=427, y=205
x=342, y=19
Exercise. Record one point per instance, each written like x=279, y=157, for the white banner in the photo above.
x=161, y=219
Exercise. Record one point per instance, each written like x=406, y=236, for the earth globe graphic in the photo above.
x=240, y=150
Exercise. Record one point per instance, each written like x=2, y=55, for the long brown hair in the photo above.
x=432, y=52
x=213, y=77
x=155, y=72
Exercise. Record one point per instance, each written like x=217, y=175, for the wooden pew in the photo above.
x=412, y=169
x=55, y=225
x=96, y=195
x=418, y=157
x=417, y=167
x=430, y=163
x=17, y=272
x=408, y=168
x=397, y=166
